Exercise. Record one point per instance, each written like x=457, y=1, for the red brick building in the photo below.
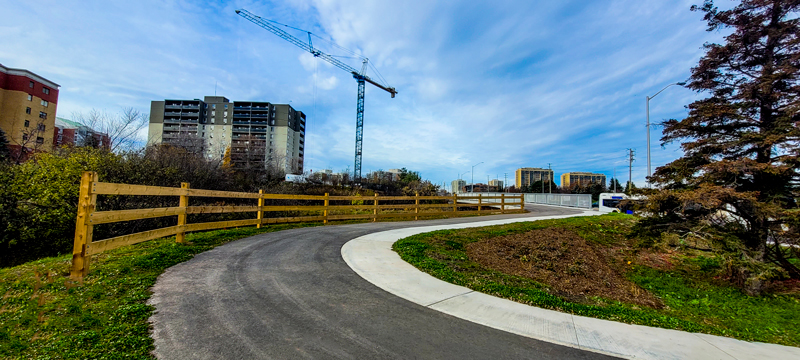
x=27, y=111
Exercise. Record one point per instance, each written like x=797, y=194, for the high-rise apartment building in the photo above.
x=457, y=186
x=250, y=133
x=581, y=178
x=27, y=110
x=528, y=176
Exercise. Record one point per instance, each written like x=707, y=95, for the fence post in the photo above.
x=480, y=196
x=260, y=207
x=503, y=203
x=522, y=203
x=184, y=203
x=455, y=201
x=375, y=210
x=416, y=206
x=325, y=211
x=83, y=227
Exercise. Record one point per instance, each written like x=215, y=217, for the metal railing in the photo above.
x=573, y=200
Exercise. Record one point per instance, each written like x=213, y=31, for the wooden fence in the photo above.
x=85, y=247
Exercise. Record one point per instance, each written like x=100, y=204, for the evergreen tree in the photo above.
x=738, y=178
x=630, y=188
x=5, y=152
x=612, y=183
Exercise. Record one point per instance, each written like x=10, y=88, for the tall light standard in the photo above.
x=459, y=178
x=472, y=180
x=649, y=173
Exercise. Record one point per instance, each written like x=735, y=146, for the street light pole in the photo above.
x=647, y=106
x=472, y=180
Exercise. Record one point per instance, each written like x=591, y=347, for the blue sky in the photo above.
x=507, y=83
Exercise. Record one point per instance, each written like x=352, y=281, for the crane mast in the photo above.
x=360, y=77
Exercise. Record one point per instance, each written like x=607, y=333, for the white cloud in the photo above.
x=510, y=83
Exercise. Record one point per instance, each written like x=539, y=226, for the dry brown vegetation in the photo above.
x=574, y=268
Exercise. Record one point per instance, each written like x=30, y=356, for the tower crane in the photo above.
x=360, y=76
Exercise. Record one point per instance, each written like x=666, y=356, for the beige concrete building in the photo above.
x=27, y=111
x=457, y=186
x=581, y=178
x=247, y=133
x=528, y=176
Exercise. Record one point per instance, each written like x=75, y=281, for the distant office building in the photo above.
x=27, y=110
x=250, y=133
x=528, y=176
x=457, y=186
x=476, y=188
x=581, y=178
x=69, y=133
x=496, y=185
x=395, y=173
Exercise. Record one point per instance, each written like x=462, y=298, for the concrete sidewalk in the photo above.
x=372, y=258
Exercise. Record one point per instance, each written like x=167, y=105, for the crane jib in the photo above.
x=360, y=78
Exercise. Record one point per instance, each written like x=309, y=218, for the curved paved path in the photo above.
x=371, y=257
x=290, y=294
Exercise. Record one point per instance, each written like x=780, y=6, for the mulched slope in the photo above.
x=563, y=260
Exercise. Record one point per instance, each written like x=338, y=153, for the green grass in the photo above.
x=46, y=316
x=694, y=302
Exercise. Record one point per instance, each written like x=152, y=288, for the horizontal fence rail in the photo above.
x=315, y=208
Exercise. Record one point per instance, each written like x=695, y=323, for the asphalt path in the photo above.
x=290, y=295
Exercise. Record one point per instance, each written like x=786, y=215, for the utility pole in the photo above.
x=550, y=180
x=505, y=182
x=630, y=169
x=541, y=177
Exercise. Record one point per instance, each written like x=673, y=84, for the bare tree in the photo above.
x=122, y=129
x=31, y=141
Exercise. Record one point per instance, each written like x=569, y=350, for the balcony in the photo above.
x=240, y=115
x=260, y=116
x=172, y=106
x=172, y=113
x=190, y=114
x=191, y=107
x=258, y=130
x=241, y=108
x=172, y=121
x=241, y=129
x=240, y=122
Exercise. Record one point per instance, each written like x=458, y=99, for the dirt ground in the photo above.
x=562, y=259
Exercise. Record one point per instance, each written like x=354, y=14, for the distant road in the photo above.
x=289, y=295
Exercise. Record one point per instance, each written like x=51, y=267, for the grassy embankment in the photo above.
x=44, y=315
x=687, y=285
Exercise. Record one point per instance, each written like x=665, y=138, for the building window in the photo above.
x=226, y=106
x=27, y=122
x=44, y=103
x=27, y=110
x=41, y=127
x=24, y=137
x=46, y=90
x=30, y=97
x=30, y=84
x=42, y=115
x=213, y=106
x=40, y=140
